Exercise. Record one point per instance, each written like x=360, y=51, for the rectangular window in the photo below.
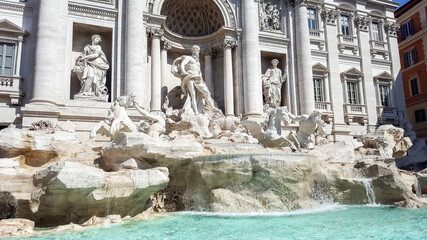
x=410, y=57
x=420, y=115
x=414, y=87
x=407, y=29
x=318, y=90
x=345, y=25
x=6, y=59
x=384, y=93
x=376, y=32
x=312, y=24
x=352, y=92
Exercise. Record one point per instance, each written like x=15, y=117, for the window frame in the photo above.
x=321, y=88
x=349, y=26
x=411, y=86
x=407, y=29
x=349, y=82
x=384, y=102
x=410, y=57
x=4, y=56
x=380, y=32
x=314, y=21
x=420, y=115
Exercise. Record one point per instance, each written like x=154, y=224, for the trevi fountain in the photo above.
x=255, y=158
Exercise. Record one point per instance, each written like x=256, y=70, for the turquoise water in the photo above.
x=334, y=222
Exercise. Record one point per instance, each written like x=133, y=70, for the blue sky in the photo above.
x=401, y=1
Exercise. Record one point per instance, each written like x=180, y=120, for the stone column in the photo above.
x=208, y=77
x=156, y=70
x=251, y=59
x=165, y=69
x=48, y=49
x=136, y=50
x=228, y=77
x=305, y=74
x=368, y=87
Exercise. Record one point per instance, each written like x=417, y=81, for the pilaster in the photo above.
x=208, y=77
x=362, y=24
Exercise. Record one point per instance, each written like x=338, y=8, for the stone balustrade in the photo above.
x=10, y=87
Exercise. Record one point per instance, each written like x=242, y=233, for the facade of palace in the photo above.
x=339, y=57
x=412, y=17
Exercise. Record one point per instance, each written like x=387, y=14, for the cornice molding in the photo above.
x=15, y=7
x=92, y=12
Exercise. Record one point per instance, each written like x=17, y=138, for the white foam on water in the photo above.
x=322, y=208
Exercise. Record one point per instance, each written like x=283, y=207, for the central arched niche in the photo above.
x=192, y=18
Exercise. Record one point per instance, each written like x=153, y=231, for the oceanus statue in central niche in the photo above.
x=118, y=120
x=91, y=69
x=187, y=68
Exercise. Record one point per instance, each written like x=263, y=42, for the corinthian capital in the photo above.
x=330, y=15
x=298, y=2
x=155, y=32
x=363, y=23
x=229, y=43
x=391, y=29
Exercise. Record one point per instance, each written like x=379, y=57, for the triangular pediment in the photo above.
x=9, y=27
x=353, y=72
x=320, y=68
x=384, y=76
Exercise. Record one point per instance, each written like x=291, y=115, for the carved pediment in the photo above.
x=384, y=76
x=10, y=28
x=352, y=72
x=320, y=68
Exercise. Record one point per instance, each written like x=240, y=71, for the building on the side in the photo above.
x=412, y=37
x=339, y=57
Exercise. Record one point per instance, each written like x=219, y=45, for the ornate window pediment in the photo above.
x=352, y=73
x=192, y=18
x=384, y=76
x=319, y=68
x=9, y=28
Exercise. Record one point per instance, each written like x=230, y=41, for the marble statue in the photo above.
x=272, y=82
x=269, y=17
x=307, y=126
x=187, y=68
x=91, y=69
x=273, y=135
x=154, y=123
x=117, y=121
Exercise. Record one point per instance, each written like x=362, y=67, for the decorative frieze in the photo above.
x=102, y=1
x=391, y=29
x=330, y=15
x=15, y=7
x=84, y=11
x=363, y=23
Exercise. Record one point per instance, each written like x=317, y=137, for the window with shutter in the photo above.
x=6, y=58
